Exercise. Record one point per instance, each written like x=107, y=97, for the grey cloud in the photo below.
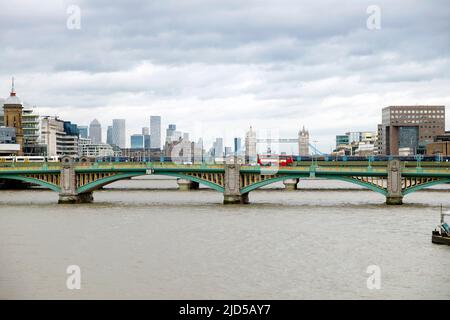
x=286, y=59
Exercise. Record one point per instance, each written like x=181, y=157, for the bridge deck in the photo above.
x=345, y=168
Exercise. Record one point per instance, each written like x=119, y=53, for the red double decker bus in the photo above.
x=274, y=160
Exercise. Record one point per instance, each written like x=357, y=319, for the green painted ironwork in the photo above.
x=360, y=183
x=195, y=179
x=266, y=182
x=425, y=185
x=297, y=176
x=120, y=176
x=91, y=186
x=334, y=172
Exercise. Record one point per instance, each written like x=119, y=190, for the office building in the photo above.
x=142, y=154
x=95, y=131
x=60, y=137
x=8, y=145
x=147, y=141
x=356, y=143
x=237, y=146
x=218, y=148
x=137, y=141
x=109, y=139
x=7, y=135
x=410, y=127
x=71, y=129
x=84, y=132
x=353, y=137
x=170, y=131
x=342, y=140
x=31, y=124
x=155, y=132
x=145, y=131
x=118, y=133
x=378, y=141
x=250, y=146
x=88, y=149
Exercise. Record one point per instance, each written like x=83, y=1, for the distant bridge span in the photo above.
x=290, y=140
x=76, y=181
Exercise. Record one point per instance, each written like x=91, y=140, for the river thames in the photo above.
x=144, y=239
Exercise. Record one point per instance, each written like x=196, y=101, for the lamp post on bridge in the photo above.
x=315, y=151
x=418, y=158
x=370, y=159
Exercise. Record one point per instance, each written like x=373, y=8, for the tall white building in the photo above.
x=250, y=146
x=303, y=142
x=31, y=125
x=118, y=133
x=170, y=131
x=218, y=148
x=56, y=139
x=89, y=149
x=155, y=132
x=95, y=131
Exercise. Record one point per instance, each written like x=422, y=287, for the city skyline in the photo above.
x=227, y=140
x=377, y=142
x=417, y=127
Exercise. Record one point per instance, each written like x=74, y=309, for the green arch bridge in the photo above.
x=76, y=181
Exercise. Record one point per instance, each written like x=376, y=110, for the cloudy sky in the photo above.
x=216, y=67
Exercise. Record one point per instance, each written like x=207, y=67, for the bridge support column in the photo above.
x=232, y=193
x=290, y=184
x=186, y=185
x=68, y=184
x=236, y=198
x=394, y=183
x=85, y=197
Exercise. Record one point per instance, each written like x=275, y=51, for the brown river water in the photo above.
x=144, y=239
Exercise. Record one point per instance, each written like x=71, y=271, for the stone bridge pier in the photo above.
x=186, y=185
x=290, y=184
x=232, y=193
x=394, y=183
x=68, y=184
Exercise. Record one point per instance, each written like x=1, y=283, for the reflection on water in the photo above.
x=154, y=242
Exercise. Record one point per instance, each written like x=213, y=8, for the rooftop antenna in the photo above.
x=13, y=93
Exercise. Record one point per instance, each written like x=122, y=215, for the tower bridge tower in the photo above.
x=303, y=142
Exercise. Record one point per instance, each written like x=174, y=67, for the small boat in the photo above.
x=441, y=234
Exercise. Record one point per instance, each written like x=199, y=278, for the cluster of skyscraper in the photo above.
x=24, y=133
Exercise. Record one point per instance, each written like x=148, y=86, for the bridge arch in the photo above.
x=94, y=185
x=282, y=178
x=34, y=181
x=425, y=185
